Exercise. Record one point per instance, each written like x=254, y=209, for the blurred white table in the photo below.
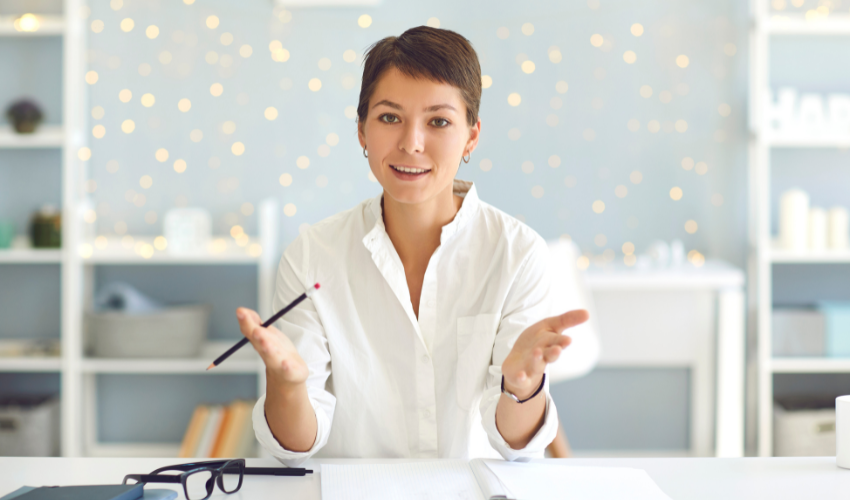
x=680, y=478
x=681, y=316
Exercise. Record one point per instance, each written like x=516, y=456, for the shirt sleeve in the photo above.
x=305, y=330
x=527, y=302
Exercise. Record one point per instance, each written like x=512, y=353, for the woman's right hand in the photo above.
x=282, y=360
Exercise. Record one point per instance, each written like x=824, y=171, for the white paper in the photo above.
x=526, y=481
x=432, y=480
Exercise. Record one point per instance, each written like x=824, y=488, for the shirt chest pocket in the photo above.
x=475, y=337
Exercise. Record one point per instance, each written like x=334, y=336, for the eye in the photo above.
x=440, y=122
x=390, y=118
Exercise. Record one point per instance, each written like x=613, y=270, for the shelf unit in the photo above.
x=68, y=137
x=764, y=253
x=261, y=252
x=82, y=253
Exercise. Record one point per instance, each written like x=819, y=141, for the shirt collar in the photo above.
x=464, y=189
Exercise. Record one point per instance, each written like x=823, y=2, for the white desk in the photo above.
x=680, y=478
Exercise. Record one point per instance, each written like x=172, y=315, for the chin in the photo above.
x=409, y=194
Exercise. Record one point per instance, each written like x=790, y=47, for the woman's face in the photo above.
x=415, y=134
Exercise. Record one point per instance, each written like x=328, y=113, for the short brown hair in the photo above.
x=440, y=55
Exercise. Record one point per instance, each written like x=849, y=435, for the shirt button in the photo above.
x=426, y=413
x=425, y=358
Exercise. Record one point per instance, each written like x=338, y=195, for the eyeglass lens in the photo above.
x=231, y=478
x=199, y=485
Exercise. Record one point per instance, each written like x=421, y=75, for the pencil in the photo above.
x=268, y=323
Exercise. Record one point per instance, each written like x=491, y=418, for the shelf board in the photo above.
x=45, y=136
x=30, y=255
x=50, y=25
x=779, y=256
x=832, y=25
x=167, y=366
x=115, y=253
x=31, y=364
x=810, y=142
x=245, y=361
x=810, y=365
x=148, y=450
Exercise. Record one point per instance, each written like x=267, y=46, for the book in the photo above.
x=88, y=492
x=226, y=415
x=209, y=433
x=247, y=440
x=230, y=438
x=148, y=494
x=486, y=479
x=193, y=431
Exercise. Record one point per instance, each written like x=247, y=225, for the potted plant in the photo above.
x=25, y=115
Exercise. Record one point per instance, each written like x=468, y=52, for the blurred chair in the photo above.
x=569, y=291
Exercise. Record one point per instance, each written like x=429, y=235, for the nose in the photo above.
x=412, y=139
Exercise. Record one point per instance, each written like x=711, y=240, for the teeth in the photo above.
x=409, y=170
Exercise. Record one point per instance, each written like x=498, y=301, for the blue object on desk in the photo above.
x=148, y=494
x=87, y=492
x=836, y=316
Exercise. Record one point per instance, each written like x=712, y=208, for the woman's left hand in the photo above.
x=538, y=345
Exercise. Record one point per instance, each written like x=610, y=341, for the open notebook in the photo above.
x=484, y=479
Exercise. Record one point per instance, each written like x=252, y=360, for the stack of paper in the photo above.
x=485, y=480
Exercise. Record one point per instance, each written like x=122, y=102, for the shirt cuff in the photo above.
x=536, y=446
x=270, y=443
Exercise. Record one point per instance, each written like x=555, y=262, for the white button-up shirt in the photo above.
x=384, y=383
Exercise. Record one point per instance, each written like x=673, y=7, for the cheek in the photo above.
x=446, y=145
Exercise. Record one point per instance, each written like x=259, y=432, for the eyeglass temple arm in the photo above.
x=153, y=478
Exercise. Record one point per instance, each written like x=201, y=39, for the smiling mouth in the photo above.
x=410, y=170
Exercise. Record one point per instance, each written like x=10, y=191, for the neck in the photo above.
x=415, y=229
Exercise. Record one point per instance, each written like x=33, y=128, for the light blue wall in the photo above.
x=698, y=29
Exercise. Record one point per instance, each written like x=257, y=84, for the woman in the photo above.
x=429, y=296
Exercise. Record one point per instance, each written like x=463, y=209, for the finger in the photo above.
x=567, y=320
x=248, y=319
x=552, y=353
x=537, y=354
x=550, y=339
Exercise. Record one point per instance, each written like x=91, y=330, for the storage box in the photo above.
x=804, y=427
x=837, y=327
x=798, y=332
x=174, y=332
x=29, y=426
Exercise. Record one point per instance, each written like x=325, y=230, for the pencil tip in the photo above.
x=211, y=366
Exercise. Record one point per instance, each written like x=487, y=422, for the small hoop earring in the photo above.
x=364, y=153
x=467, y=158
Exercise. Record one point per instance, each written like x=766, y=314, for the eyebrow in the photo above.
x=428, y=109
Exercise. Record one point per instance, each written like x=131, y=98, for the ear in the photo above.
x=474, y=134
x=361, y=134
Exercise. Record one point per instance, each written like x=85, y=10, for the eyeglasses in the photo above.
x=198, y=478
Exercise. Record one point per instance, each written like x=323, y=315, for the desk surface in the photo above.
x=680, y=478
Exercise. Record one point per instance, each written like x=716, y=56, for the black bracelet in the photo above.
x=512, y=396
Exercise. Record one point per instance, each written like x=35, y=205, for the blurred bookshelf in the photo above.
x=765, y=251
x=50, y=136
